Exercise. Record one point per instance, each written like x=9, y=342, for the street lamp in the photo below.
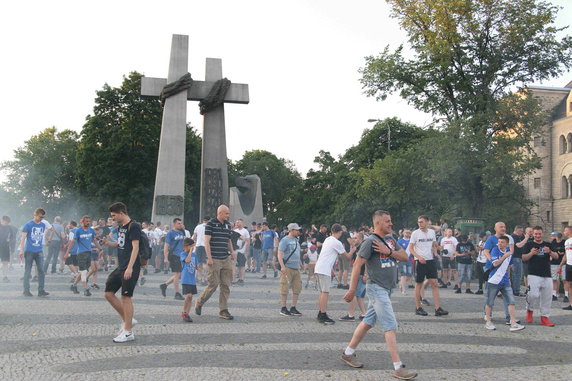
x=388, y=132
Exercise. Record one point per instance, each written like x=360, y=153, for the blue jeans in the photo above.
x=53, y=255
x=465, y=272
x=39, y=259
x=494, y=289
x=256, y=255
x=516, y=275
x=379, y=307
x=486, y=297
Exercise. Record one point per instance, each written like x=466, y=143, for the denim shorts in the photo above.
x=267, y=255
x=379, y=307
x=494, y=289
x=465, y=272
x=360, y=290
x=405, y=268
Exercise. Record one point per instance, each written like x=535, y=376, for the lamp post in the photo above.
x=388, y=132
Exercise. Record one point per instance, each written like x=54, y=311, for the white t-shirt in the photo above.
x=187, y=234
x=242, y=244
x=327, y=259
x=46, y=231
x=200, y=232
x=449, y=244
x=423, y=243
x=568, y=249
x=480, y=247
x=158, y=233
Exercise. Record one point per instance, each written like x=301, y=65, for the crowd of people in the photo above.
x=370, y=260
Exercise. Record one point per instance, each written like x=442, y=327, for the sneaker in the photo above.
x=247, y=270
x=284, y=312
x=186, y=317
x=554, y=298
x=263, y=277
x=224, y=314
x=361, y=317
x=443, y=286
x=516, y=327
x=458, y=291
x=124, y=337
x=479, y=292
x=198, y=308
x=507, y=322
x=163, y=288
x=144, y=271
x=43, y=293
x=166, y=272
x=346, y=287
x=241, y=282
x=529, y=318
x=351, y=360
x=95, y=286
x=133, y=324
x=275, y=274
x=325, y=319
x=441, y=312
x=456, y=287
x=28, y=293
x=411, y=286
x=425, y=301
x=87, y=293
x=421, y=311
x=347, y=318
x=73, y=287
x=178, y=296
x=468, y=291
x=294, y=311
x=544, y=320
x=340, y=285
x=490, y=326
x=522, y=294
x=567, y=308
x=404, y=374
x=142, y=281
x=565, y=299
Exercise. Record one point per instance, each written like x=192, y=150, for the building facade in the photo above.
x=551, y=186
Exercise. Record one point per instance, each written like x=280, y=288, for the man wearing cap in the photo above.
x=289, y=260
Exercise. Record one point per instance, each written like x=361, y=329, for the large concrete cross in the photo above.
x=168, y=200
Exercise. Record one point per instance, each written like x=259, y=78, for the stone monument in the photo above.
x=246, y=200
x=168, y=199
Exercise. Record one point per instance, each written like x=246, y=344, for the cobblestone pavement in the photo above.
x=68, y=337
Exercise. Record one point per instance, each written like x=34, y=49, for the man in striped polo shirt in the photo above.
x=220, y=257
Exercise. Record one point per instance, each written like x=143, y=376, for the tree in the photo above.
x=43, y=172
x=277, y=175
x=471, y=62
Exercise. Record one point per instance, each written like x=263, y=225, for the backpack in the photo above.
x=144, y=249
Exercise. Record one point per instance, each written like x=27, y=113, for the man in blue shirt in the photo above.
x=269, y=247
x=84, y=236
x=405, y=268
x=289, y=259
x=31, y=249
x=172, y=251
x=501, y=258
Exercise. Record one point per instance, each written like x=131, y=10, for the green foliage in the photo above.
x=276, y=175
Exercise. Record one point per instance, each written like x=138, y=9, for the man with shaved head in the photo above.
x=220, y=257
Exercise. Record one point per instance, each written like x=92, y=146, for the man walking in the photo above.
x=380, y=260
x=172, y=251
x=199, y=238
x=126, y=274
x=55, y=239
x=220, y=257
x=289, y=259
x=84, y=236
x=243, y=244
x=31, y=249
x=269, y=245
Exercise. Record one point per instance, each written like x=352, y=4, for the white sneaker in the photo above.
x=133, y=324
x=490, y=325
x=124, y=336
x=516, y=327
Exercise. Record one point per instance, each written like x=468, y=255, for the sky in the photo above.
x=299, y=58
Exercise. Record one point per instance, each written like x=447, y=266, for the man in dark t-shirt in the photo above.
x=220, y=257
x=321, y=237
x=126, y=274
x=516, y=267
x=538, y=255
x=557, y=246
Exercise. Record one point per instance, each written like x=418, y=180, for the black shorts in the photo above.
x=427, y=270
x=84, y=260
x=189, y=289
x=240, y=260
x=94, y=257
x=449, y=263
x=5, y=253
x=568, y=273
x=115, y=281
x=72, y=260
x=175, y=263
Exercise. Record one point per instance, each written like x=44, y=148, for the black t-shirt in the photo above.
x=517, y=250
x=5, y=236
x=344, y=240
x=234, y=236
x=257, y=241
x=463, y=247
x=320, y=237
x=125, y=235
x=354, y=256
x=557, y=247
x=538, y=264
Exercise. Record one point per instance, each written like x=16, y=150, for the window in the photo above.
x=570, y=186
x=537, y=141
x=563, y=145
x=569, y=142
x=536, y=182
x=564, y=187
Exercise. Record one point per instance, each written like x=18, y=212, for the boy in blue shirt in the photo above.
x=188, y=279
x=31, y=250
x=501, y=259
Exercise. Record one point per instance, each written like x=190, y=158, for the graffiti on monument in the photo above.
x=213, y=190
x=169, y=205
